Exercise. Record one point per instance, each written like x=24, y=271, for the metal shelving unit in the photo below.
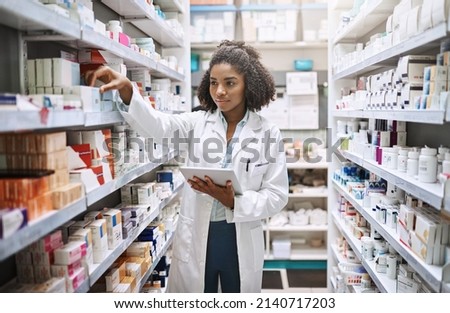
x=433, y=274
x=39, y=228
x=417, y=116
x=115, y=184
x=419, y=43
x=33, y=16
x=365, y=21
x=31, y=21
x=432, y=194
x=145, y=18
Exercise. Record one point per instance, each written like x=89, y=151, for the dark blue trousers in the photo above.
x=222, y=259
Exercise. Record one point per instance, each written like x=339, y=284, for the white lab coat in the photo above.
x=264, y=184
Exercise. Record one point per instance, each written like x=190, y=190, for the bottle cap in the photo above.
x=428, y=151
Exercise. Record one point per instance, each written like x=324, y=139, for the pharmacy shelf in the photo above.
x=415, y=45
x=354, y=243
x=144, y=17
x=432, y=194
x=155, y=262
x=269, y=7
x=302, y=253
x=381, y=281
x=293, y=228
x=84, y=287
x=417, y=116
x=16, y=121
x=306, y=165
x=213, y=8
x=446, y=287
x=109, y=187
x=365, y=21
x=92, y=39
x=269, y=45
x=39, y=228
x=431, y=273
x=165, y=71
x=170, y=5
x=28, y=15
x=97, y=270
x=338, y=256
x=307, y=194
x=102, y=118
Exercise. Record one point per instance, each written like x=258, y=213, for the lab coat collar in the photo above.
x=253, y=124
x=254, y=120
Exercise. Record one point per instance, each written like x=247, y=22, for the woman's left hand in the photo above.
x=223, y=194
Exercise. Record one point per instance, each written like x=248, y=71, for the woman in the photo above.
x=219, y=238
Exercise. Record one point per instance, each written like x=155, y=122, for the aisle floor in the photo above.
x=295, y=281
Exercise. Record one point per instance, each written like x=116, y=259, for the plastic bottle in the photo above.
x=440, y=158
x=446, y=164
x=427, y=165
x=412, y=166
x=402, y=160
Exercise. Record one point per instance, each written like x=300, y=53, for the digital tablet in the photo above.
x=219, y=175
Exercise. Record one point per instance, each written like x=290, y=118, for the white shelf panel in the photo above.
x=433, y=194
x=431, y=273
x=339, y=257
x=13, y=121
x=170, y=5
x=383, y=284
x=117, y=183
x=322, y=194
x=98, y=269
x=92, y=39
x=305, y=253
x=39, y=228
x=364, y=22
x=102, y=118
x=269, y=45
x=416, y=44
x=352, y=240
x=291, y=228
x=164, y=71
x=418, y=116
x=84, y=287
x=306, y=165
x=33, y=16
x=145, y=18
x=159, y=30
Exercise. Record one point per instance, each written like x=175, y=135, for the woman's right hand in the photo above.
x=112, y=80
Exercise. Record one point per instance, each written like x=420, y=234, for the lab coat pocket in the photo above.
x=183, y=239
x=256, y=174
x=258, y=247
x=260, y=169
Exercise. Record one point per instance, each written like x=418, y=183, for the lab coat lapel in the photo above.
x=248, y=134
x=216, y=125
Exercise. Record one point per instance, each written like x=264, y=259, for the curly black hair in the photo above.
x=259, y=83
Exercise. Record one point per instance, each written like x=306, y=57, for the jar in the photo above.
x=367, y=245
x=412, y=166
x=402, y=160
x=366, y=282
x=440, y=158
x=446, y=164
x=427, y=165
x=114, y=26
x=391, y=271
